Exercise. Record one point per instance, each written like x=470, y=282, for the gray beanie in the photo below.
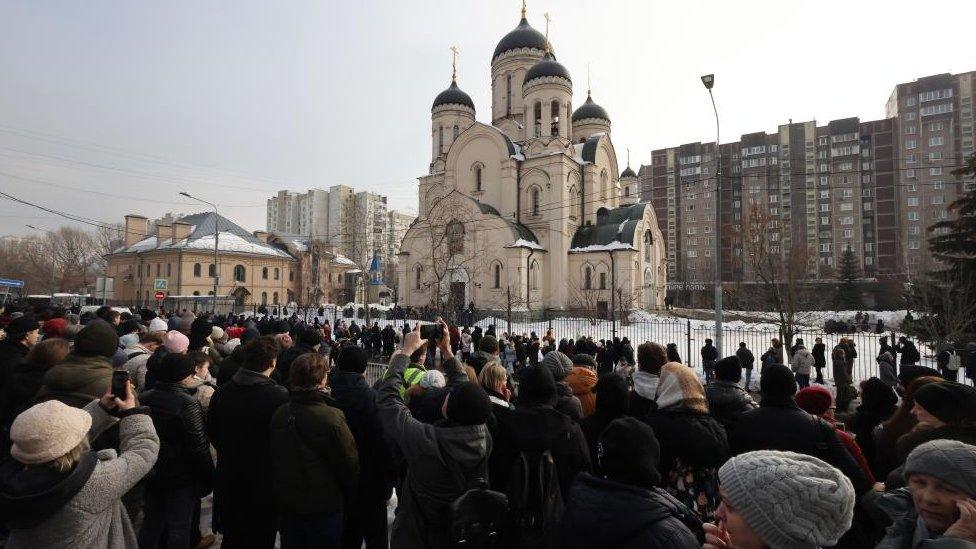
x=791, y=500
x=558, y=363
x=950, y=461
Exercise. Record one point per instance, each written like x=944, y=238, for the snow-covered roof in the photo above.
x=340, y=259
x=229, y=242
x=232, y=239
x=611, y=246
x=523, y=243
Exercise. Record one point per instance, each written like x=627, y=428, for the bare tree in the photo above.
x=586, y=301
x=944, y=310
x=782, y=283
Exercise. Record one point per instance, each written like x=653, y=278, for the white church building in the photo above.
x=530, y=209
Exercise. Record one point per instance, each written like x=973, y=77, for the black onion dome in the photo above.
x=589, y=109
x=628, y=172
x=522, y=36
x=453, y=96
x=547, y=66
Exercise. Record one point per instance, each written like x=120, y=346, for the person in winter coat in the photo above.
x=494, y=381
x=709, y=355
x=672, y=353
x=365, y=517
x=173, y=342
x=388, y=337
x=651, y=357
x=944, y=410
x=436, y=455
x=726, y=400
x=622, y=507
x=817, y=400
x=308, y=340
x=885, y=347
x=612, y=392
x=887, y=370
x=201, y=384
x=773, y=499
x=779, y=424
x=425, y=399
x=536, y=426
x=86, y=372
x=137, y=357
x=56, y=492
x=26, y=380
x=943, y=360
x=314, y=462
x=801, y=364
x=969, y=361
x=239, y=424
x=487, y=351
x=843, y=381
x=582, y=381
x=184, y=471
x=566, y=402
x=908, y=351
x=22, y=334
x=746, y=362
x=773, y=355
x=819, y=352
x=938, y=508
x=693, y=443
x=878, y=403
x=886, y=434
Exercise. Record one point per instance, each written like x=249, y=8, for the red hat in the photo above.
x=815, y=399
x=54, y=327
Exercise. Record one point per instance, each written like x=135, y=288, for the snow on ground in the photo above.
x=816, y=319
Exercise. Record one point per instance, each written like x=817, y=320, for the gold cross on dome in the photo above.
x=454, y=54
x=548, y=19
x=523, y=9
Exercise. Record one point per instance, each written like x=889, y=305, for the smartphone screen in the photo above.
x=120, y=384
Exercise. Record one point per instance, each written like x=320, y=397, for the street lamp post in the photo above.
x=709, y=81
x=216, y=275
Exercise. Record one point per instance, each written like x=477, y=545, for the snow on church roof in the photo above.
x=523, y=243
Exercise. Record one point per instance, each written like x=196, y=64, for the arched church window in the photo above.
x=534, y=275
x=196, y=269
x=418, y=271
x=477, y=179
x=538, y=119
x=603, y=281
x=554, y=122
x=239, y=273
x=508, y=94
x=627, y=190
x=497, y=276
x=440, y=140
x=455, y=237
x=264, y=298
x=587, y=278
x=456, y=131
x=648, y=242
x=535, y=201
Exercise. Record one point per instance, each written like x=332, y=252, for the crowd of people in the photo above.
x=115, y=427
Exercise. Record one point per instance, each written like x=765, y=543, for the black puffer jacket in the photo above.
x=727, y=401
x=697, y=439
x=184, y=449
x=602, y=514
x=282, y=373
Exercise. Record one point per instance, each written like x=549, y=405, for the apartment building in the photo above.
x=355, y=224
x=873, y=187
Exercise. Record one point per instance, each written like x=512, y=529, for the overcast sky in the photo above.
x=114, y=107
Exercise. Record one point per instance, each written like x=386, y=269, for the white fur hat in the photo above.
x=47, y=431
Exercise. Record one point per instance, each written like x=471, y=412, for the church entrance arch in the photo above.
x=458, y=291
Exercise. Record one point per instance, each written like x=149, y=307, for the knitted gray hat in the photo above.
x=558, y=363
x=948, y=460
x=791, y=500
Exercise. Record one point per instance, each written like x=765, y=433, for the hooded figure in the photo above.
x=86, y=372
x=566, y=402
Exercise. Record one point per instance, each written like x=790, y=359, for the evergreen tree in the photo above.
x=848, y=296
x=953, y=241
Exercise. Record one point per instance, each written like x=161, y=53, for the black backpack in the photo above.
x=478, y=515
x=536, y=501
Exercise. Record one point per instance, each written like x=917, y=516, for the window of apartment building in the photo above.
x=938, y=199
x=935, y=126
x=773, y=198
x=935, y=171
x=911, y=144
x=910, y=173
x=934, y=95
x=942, y=214
x=910, y=102
x=941, y=108
x=938, y=184
x=869, y=261
x=845, y=167
x=913, y=245
x=865, y=165
x=910, y=129
x=868, y=206
x=869, y=246
x=823, y=167
x=848, y=233
x=708, y=205
x=912, y=201
x=692, y=253
x=846, y=207
x=823, y=179
x=822, y=140
x=914, y=229
x=690, y=207
x=692, y=241
x=708, y=229
x=910, y=158
x=847, y=220
x=867, y=193
x=848, y=193
x=825, y=247
x=910, y=116
x=754, y=189
x=774, y=211
x=935, y=155
x=936, y=141
x=825, y=193
x=825, y=221
x=913, y=216
x=692, y=230
x=825, y=207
